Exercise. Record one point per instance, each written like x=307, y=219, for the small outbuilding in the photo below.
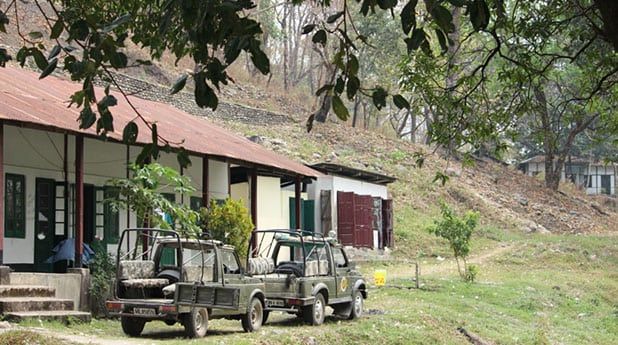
x=354, y=203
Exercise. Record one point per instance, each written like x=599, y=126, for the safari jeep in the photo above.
x=288, y=271
x=303, y=273
x=161, y=276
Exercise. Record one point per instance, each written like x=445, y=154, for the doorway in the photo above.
x=89, y=213
x=44, y=223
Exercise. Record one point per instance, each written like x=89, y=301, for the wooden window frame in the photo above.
x=10, y=230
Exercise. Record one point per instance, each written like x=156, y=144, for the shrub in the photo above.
x=142, y=194
x=457, y=231
x=102, y=272
x=229, y=222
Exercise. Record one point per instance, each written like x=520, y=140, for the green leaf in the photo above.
x=106, y=122
x=324, y=88
x=457, y=3
x=79, y=30
x=54, y=52
x=352, y=65
x=39, y=58
x=118, y=60
x=4, y=20
x=204, y=95
x=108, y=101
x=479, y=14
x=307, y=29
x=117, y=22
x=387, y=4
x=319, y=37
x=339, y=108
x=86, y=118
x=179, y=84
x=49, y=69
x=154, y=134
x=183, y=158
x=442, y=40
x=129, y=133
x=401, y=102
x=339, y=85
x=443, y=18
x=352, y=87
x=260, y=60
x=408, y=16
x=418, y=37
x=35, y=35
x=56, y=30
x=379, y=97
x=333, y=18
x=443, y=178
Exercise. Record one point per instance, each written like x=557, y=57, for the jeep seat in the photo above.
x=139, y=274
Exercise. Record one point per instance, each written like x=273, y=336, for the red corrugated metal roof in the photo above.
x=26, y=99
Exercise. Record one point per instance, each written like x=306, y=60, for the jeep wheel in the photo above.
x=196, y=323
x=252, y=320
x=357, y=305
x=314, y=314
x=132, y=326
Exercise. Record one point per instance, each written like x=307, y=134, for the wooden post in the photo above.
x=229, y=180
x=65, y=192
x=1, y=193
x=205, y=181
x=253, y=200
x=297, y=201
x=79, y=200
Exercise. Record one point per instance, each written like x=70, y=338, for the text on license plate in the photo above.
x=275, y=303
x=144, y=311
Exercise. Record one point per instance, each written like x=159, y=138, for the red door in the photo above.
x=345, y=218
x=363, y=219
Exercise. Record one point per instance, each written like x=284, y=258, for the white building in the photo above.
x=595, y=177
x=53, y=174
x=354, y=203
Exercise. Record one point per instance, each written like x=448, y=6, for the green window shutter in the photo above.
x=111, y=218
x=293, y=213
x=15, y=206
x=308, y=212
x=195, y=203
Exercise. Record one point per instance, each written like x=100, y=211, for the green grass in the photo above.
x=531, y=289
x=21, y=337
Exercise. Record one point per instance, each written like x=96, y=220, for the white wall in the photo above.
x=340, y=184
x=39, y=154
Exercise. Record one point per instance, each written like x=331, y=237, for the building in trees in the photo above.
x=594, y=176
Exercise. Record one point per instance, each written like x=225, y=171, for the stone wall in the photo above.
x=185, y=101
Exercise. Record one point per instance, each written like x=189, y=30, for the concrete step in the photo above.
x=26, y=291
x=64, y=316
x=18, y=304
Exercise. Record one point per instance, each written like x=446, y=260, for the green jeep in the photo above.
x=161, y=276
x=303, y=272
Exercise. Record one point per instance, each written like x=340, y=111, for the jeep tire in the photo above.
x=196, y=322
x=132, y=326
x=356, y=305
x=253, y=319
x=314, y=314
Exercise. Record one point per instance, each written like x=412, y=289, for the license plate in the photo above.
x=144, y=311
x=275, y=303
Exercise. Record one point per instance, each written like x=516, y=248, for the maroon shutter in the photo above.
x=345, y=218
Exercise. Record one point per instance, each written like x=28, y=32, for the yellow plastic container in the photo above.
x=379, y=277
